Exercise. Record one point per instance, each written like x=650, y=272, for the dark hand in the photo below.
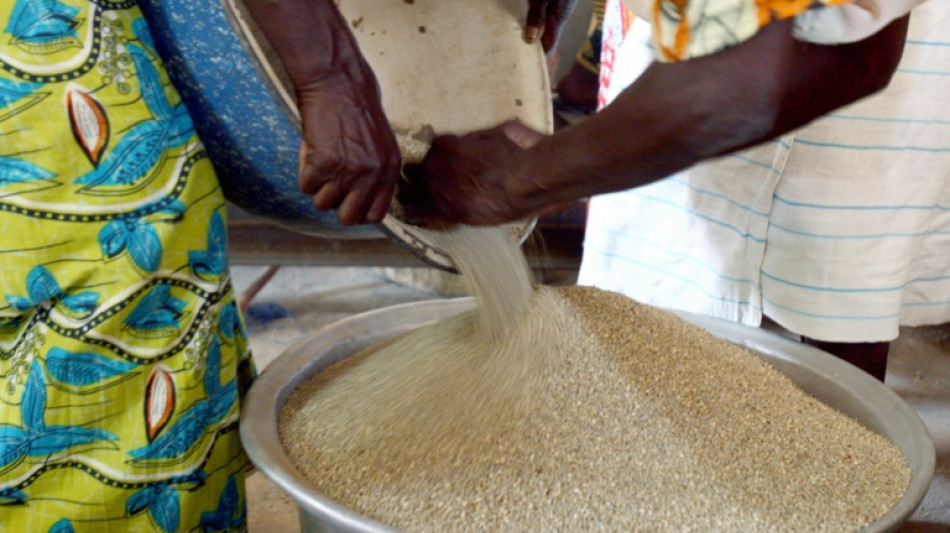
x=545, y=18
x=463, y=179
x=349, y=160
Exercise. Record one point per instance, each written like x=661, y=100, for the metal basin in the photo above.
x=828, y=379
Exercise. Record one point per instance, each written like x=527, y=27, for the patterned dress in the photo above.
x=122, y=353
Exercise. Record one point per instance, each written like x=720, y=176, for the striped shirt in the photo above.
x=839, y=231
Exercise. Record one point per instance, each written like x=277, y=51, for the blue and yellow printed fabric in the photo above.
x=122, y=353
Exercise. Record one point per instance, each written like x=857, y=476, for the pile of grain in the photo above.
x=475, y=371
x=578, y=410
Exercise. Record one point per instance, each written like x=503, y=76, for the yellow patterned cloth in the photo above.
x=686, y=29
x=122, y=353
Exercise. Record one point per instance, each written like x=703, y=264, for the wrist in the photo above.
x=524, y=184
x=311, y=38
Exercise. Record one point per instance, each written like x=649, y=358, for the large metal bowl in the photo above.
x=828, y=379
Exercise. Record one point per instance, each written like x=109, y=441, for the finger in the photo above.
x=415, y=198
x=301, y=157
x=555, y=18
x=306, y=176
x=412, y=190
x=328, y=197
x=558, y=207
x=441, y=143
x=552, y=33
x=430, y=215
x=380, y=205
x=534, y=24
x=418, y=215
x=520, y=134
x=313, y=171
x=352, y=210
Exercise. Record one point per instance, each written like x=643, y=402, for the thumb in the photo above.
x=534, y=24
x=520, y=134
x=557, y=16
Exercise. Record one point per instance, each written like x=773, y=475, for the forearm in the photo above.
x=312, y=39
x=678, y=114
x=349, y=161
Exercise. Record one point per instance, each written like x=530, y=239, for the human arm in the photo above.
x=350, y=160
x=672, y=117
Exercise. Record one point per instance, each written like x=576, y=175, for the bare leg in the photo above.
x=868, y=356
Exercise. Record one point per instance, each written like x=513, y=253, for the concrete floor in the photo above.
x=302, y=299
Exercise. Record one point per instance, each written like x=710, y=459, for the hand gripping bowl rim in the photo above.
x=278, y=83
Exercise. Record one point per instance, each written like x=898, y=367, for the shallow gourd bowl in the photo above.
x=828, y=379
x=457, y=66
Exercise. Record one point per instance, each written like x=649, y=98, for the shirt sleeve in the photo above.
x=687, y=29
x=850, y=22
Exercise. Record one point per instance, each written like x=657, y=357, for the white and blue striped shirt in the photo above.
x=839, y=231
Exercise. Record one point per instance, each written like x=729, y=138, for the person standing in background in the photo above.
x=685, y=97
x=838, y=231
